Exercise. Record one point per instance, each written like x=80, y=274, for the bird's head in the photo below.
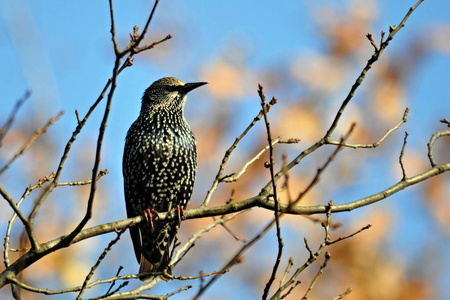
x=168, y=93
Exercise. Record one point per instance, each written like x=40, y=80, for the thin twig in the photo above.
x=30, y=142
x=349, y=236
x=85, y=182
x=290, y=289
x=445, y=121
x=237, y=257
x=113, y=29
x=348, y=291
x=227, y=156
x=372, y=42
x=368, y=66
x=129, y=61
x=121, y=286
x=189, y=244
x=320, y=272
x=28, y=190
x=400, y=158
x=152, y=45
x=433, y=139
x=312, y=257
x=377, y=143
x=15, y=208
x=133, y=45
x=234, y=235
x=108, y=292
x=286, y=180
x=320, y=170
x=99, y=260
x=287, y=270
x=311, y=254
x=327, y=138
x=274, y=189
x=203, y=275
x=235, y=176
x=78, y=117
x=135, y=294
x=4, y=129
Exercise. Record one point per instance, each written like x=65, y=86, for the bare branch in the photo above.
x=113, y=29
x=198, y=276
x=291, y=283
x=377, y=143
x=116, y=71
x=445, y=121
x=152, y=45
x=277, y=207
x=258, y=201
x=13, y=205
x=311, y=254
x=393, y=30
x=274, y=189
x=108, y=292
x=368, y=66
x=227, y=156
x=37, y=251
x=349, y=236
x=188, y=245
x=99, y=260
x=4, y=129
x=327, y=138
x=132, y=46
x=136, y=294
x=320, y=272
x=30, y=142
x=85, y=182
x=341, y=296
x=267, y=198
x=28, y=190
x=237, y=258
x=372, y=42
x=320, y=170
x=400, y=158
x=287, y=270
x=235, y=176
x=433, y=139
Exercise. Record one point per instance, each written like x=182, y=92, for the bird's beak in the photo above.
x=190, y=86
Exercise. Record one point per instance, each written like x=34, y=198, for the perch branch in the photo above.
x=202, y=212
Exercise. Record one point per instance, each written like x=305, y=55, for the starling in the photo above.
x=159, y=167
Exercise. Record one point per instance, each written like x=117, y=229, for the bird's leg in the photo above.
x=148, y=215
x=180, y=213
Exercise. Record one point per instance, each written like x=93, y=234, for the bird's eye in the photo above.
x=171, y=88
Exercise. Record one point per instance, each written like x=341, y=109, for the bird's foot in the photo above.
x=148, y=215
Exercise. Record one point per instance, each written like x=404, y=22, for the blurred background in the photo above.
x=307, y=54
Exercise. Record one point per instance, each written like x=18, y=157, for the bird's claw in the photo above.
x=148, y=215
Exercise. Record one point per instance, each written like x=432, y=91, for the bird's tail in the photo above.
x=155, y=252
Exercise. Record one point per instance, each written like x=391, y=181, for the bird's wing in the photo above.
x=138, y=167
x=131, y=185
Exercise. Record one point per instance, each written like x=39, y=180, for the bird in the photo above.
x=159, y=168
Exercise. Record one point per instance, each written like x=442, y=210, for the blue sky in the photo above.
x=61, y=51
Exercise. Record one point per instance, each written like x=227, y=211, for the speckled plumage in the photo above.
x=159, y=167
